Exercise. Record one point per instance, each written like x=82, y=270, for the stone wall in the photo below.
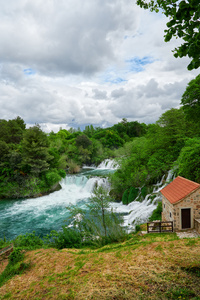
x=167, y=210
x=192, y=201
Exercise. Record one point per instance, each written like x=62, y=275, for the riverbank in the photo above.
x=153, y=266
x=56, y=187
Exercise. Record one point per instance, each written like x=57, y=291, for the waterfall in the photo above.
x=108, y=164
x=48, y=213
x=159, y=186
x=139, y=212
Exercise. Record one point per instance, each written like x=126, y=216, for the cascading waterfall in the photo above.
x=108, y=164
x=139, y=212
x=48, y=213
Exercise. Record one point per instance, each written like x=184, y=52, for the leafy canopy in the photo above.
x=184, y=23
x=191, y=100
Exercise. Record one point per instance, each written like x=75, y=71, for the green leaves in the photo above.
x=35, y=151
x=97, y=223
x=189, y=160
x=191, y=101
x=184, y=24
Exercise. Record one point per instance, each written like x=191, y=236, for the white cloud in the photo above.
x=71, y=63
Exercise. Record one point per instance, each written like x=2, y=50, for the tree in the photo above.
x=189, y=160
x=99, y=206
x=35, y=151
x=97, y=221
x=83, y=140
x=12, y=131
x=184, y=23
x=172, y=130
x=191, y=100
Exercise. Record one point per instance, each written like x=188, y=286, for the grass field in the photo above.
x=153, y=266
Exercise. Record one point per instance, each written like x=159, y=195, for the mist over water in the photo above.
x=49, y=212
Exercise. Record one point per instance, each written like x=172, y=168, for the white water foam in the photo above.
x=21, y=216
x=108, y=164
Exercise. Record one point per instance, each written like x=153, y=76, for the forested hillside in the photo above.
x=33, y=162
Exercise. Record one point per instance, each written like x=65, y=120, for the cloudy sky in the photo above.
x=70, y=63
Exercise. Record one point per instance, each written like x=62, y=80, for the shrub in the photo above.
x=15, y=266
x=144, y=191
x=16, y=256
x=73, y=167
x=137, y=228
x=52, y=177
x=28, y=241
x=132, y=194
x=156, y=215
x=125, y=197
x=67, y=238
x=62, y=173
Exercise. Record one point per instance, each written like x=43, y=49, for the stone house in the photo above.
x=181, y=204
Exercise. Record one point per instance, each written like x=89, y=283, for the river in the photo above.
x=49, y=212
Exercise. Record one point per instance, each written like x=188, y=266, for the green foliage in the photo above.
x=14, y=267
x=98, y=224
x=62, y=173
x=83, y=141
x=137, y=228
x=159, y=163
x=127, y=130
x=180, y=293
x=191, y=101
x=28, y=241
x=156, y=215
x=195, y=270
x=184, y=23
x=189, y=160
x=133, y=193
x=144, y=191
x=109, y=138
x=4, y=243
x=67, y=238
x=125, y=197
x=12, y=131
x=52, y=177
x=35, y=151
x=16, y=256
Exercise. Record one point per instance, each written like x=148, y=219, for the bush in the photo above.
x=16, y=256
x=52, y=177
x=156, y=215
x=67, y=238
x=132, y=194
x=144, y=191
x=125, y=197
x=137, y=228
x=62, y=173
x=73, y=167
x=28, y=241
x=15, y=266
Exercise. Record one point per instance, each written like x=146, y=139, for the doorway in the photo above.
x=186, y=218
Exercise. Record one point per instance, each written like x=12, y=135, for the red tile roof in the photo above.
x=178, y=189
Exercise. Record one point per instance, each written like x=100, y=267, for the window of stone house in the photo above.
x=170, y=214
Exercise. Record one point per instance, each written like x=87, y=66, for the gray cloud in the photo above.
x=97, y=94
x=62, y=36
x=117, y=93
x=64, y=63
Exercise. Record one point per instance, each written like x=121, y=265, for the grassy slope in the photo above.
x=145, y=267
